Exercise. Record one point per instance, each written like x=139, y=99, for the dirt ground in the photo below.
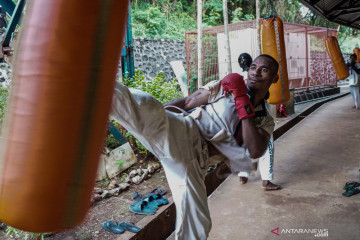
x=115, y=208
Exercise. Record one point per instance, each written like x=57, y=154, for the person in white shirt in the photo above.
x=354, y=70
x=180, y=140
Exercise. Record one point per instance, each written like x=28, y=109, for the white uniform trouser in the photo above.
x=266, y=163
x=355, y=94
x=175, y=140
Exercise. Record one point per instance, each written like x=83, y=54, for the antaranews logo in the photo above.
x=275, y=231
x=316, y=232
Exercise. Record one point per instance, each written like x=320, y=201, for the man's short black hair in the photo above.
x=353, y=55
x=275, y=63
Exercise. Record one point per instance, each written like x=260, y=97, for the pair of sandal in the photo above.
x=148, y=205
x=136, y=197
x=351, y=188
x=120, y=227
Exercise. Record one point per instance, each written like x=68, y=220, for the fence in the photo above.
x=307, y=59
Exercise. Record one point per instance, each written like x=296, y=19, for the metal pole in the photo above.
x=187, y=61
x=258, y=48
x=199, y=42
x=130, y=46
x=306, y=58
x=227, y=39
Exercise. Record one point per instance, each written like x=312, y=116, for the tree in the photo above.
x=199, y=40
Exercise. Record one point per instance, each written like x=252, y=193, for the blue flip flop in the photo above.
x=152, y=200
x=143, y=207
x=136, y=197
x=159, y=199
x=130, y=226
x=351, y=184
x=156, y=191
x=113, y=227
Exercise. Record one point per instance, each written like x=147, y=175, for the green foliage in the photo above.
x=3, y=99
x=120, y=162
x=19, y=234
x=213, y=18
x=163, y=90
x=193, y=83
x=137, y=146
x=112, y=142
x=121, y=179
x=152, y=22
x=238, y=16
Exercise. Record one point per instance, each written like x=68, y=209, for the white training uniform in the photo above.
x=178, y=142
x=354, y=85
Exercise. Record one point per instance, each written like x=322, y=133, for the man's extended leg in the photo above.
x=176, y=141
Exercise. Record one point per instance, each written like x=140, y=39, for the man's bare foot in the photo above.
x=268, y=186
x=243, y=180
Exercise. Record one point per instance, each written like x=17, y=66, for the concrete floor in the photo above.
x=313, y=161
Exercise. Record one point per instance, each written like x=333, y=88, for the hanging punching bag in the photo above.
x=356, y=51
x=333, y=48
x=273, y=44
x=65, y=69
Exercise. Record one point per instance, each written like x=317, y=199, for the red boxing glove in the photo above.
x=235, y=83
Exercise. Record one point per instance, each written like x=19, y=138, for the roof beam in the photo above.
x=335, y=8
x=313, y=2
x=344, y=12
x=349, y=8
x=347, y=11
x=356, y=19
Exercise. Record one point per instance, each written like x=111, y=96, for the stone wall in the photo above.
x=154, y=55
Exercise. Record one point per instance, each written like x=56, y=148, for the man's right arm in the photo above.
x=196, y=99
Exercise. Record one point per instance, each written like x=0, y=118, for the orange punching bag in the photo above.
x=356, y=51
x=64, y=77
x=333, y=48
x=273, y=44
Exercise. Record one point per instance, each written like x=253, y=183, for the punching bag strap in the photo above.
x=280, y=60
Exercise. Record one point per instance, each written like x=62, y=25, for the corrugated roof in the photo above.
x=344, y=12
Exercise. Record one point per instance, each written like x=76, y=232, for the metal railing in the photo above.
x=311, y=93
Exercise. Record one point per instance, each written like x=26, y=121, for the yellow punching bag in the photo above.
x=63, y=81
x=356, y=51
x=273, y=44
x=333, y=48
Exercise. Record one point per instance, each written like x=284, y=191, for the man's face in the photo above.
x=261, y=74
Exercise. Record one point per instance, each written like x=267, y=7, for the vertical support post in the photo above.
x=127, y=55
x=187, y=61
x=130, y=47
x=307, y=59
x=227, y=40
x=258, y=48
x=199, y=42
